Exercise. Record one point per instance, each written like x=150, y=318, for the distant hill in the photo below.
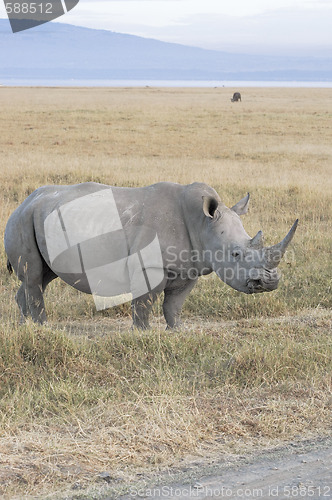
x=62, y=51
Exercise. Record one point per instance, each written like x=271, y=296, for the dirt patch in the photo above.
x=298, y=470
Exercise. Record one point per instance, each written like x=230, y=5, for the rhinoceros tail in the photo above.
x=9, y=267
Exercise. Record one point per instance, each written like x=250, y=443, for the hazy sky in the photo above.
x=260, y=26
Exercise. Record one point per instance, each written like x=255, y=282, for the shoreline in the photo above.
x=33, y=83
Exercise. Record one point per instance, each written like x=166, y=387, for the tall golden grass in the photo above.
x=86, y=394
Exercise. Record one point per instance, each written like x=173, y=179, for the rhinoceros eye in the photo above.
x=236, y=254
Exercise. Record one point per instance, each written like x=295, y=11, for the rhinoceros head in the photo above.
x=240, y=261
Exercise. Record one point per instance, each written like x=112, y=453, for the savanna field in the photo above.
x=86, y=394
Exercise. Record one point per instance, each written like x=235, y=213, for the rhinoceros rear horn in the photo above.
x=274, y=254
x=257, y=241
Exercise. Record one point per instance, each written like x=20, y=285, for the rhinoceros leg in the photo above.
x=141, y=309
x=22, y=303
x=30, y=298
x=35, y=301
x=35, y=275
x=173, y=302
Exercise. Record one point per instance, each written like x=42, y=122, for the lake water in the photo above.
x=160, y=83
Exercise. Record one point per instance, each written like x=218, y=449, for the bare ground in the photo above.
x=297, y=470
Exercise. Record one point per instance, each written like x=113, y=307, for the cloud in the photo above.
x=286, y=31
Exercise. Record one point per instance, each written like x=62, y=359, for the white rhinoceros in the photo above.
x=123, y=244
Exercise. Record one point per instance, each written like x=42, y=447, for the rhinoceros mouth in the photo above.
x=267, y=282
x=255, y=286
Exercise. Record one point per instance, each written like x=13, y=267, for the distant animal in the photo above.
x=236, y=97
x=134, y=243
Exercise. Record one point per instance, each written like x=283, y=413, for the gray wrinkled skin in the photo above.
x=197, y=234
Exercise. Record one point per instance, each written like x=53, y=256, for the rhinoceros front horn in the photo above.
x=274, y=254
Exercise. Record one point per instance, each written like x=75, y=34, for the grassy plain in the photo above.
x=86, y=394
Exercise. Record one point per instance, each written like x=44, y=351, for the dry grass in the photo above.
x=86, y=394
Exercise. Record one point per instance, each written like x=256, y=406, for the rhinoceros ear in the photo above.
x=241, y=207
x=210, y=205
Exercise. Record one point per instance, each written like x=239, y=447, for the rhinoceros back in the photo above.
x=88, y=247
